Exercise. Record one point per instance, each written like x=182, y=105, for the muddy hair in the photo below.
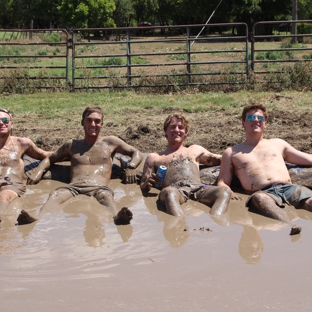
x=254, y=107
x=91, y=109
x=180, y=116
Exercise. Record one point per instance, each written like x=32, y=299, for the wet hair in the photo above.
x=91, y=109
x=180, y=116
x=3, y=110
x=251, y=107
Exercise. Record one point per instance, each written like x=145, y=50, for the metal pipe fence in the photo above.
x=283, y=46
x=170, y=57
x=143, y=57
x=34, y=59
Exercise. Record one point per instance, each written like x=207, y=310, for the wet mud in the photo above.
x=77, y=259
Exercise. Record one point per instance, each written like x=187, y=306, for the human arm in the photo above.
x=149, y=176
x=207, y=158
x=59, y=155
x=294, y=156
x=32, y=150
x=136, y=158
x=227, y=171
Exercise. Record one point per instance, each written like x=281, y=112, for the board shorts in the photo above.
x=191, y=191
x=85, y=189
x=291, y=194
x=17, y=187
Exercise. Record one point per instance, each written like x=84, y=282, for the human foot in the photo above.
x=25, y=218
x=124, y=216
x=295, y=230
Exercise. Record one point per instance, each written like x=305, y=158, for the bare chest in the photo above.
x=174, y=159
x=8, y=157
x=96, y=155
x=256, y=158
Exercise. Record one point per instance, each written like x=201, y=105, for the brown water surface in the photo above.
x=76, y=259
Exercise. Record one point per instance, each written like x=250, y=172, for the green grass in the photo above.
x=117, y=106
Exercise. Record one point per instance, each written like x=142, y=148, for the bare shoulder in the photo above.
x=111, y=139
x=21, y=140
x=152, y=157
x=276, y=143
x=197, y=149
x=71, y=142
x=22, y=143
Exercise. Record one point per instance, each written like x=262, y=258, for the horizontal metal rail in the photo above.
x=137, y=61
x=277, y=54
x=40, y=55
x=153, y=56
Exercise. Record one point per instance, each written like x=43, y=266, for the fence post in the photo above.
x=188, y=56
x=128, y=58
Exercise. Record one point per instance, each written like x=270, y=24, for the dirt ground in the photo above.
x=214, y=130
x=76, y=259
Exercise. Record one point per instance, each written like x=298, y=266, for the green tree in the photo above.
x=304, y=9
x=87, y=13
x=124, y=13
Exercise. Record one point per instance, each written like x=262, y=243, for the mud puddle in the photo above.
x=76, y=259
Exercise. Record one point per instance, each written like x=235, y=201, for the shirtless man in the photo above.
x=91, y=167
x=182, y=180
x=12, y=150
x=260, y=166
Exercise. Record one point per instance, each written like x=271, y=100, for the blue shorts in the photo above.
x=291, y=194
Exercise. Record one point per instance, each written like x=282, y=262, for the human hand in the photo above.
x=34, y=178
x=129, y=176
x=235, y=197
x=156, y=181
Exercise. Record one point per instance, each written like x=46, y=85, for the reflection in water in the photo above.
x=176, y=234
x=250, y=245
x=125, y=232
x=175, y=229
x=94, y=232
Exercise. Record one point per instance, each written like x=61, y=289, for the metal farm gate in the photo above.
x=149, y=56
x=34, y=59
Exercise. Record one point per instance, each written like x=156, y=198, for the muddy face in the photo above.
x=182, y=169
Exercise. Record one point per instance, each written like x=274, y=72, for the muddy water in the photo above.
x=76, y=259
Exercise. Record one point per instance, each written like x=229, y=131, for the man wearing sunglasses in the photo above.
x=12, y=150
x=259, y=164
x=91, y=167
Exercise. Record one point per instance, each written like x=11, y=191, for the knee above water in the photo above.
x=224, y=191
x=259, y=197
x=103, y=196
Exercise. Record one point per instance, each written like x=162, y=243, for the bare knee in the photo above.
x=306, y=204
x=59, y=194
x=223, y=192
x=215, y=193
x=169, y=194
x=258, y=199
x=104, y=197
x=7, y=196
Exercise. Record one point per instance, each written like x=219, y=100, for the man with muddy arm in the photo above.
x=12, y=150
x=259, y=164
x=182, y=180
x=91, y=166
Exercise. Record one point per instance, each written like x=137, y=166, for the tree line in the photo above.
x=127, y=13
